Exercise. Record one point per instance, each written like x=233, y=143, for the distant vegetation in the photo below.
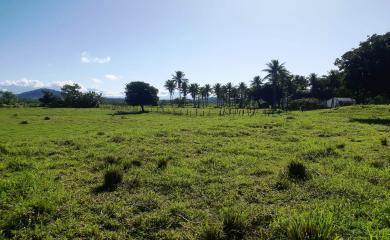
x=71, y=96
x=363, y=74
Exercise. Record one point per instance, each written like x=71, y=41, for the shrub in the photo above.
x=297, y=171
x=234, y=224
x=112, y=178
x=211, y=232
x=314, y=225
x=24, y=122
x=46, y=118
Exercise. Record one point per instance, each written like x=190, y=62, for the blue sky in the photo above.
x=103, y=44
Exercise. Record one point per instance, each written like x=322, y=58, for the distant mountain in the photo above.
x=37, y=93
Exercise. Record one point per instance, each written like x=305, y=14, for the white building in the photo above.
x=338, y=101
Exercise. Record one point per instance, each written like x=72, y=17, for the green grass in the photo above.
x=194, y=177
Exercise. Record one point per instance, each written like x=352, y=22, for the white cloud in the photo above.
x=86, y=58
x=96, y=80
x=112, y=77
x=24, y=82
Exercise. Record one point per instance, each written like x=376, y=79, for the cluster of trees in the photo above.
x=71, y=96
x=8, y=98
x=363, y=74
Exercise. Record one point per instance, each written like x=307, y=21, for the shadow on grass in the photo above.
x=379, y=121
x=118, y=113
x=103, y=188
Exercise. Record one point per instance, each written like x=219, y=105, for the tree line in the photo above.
x=71, y=96
x=363, y=74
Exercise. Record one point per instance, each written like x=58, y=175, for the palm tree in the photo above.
x=184, y=88
x=207, y=91
x=275, y=70
x=178, y=77
x=194, y=91
x=242, y=92
x=229, y=88
x=217, y=92
x=170, y=86
x=256, y=82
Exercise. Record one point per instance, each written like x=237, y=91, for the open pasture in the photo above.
x=104, y=174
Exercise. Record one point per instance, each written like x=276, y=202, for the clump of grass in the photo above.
x=118, y=139
x=321, y=153
x=297, y=171
x=340, y=146
x=378, y=164
x=3, y=150
x=112, y=178
x=358, y=158
x=110, y=159
x=134, y=183
x=235, y=224
x=100, y=133
x=18, y=165
x=46, y=118
x=162, y=164
x=211, y=232
x=24, y=122
x=282, y=183
x=313, y=225
x=384, y=142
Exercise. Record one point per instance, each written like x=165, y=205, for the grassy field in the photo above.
x=91, y=173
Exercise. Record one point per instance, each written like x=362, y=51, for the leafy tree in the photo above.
x=90, y=99
x=8, y=98
x=49, y=100
x=71, y=95
x=170, y=86
x=184, y=89
x=366, y=68
x=275, y=72
x=140, y=93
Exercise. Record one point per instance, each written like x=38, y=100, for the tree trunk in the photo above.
x=142, y=108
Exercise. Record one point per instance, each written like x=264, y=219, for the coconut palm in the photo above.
x=207, y=91
x=194, y=91
x=170, y=86
x=275, y=71
x=242, y=93
x=184, y=89
x=217, y=91
x=229, y=88
x=256, y=82
x=178, y=77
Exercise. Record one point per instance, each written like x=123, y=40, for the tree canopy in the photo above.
x=140, y=93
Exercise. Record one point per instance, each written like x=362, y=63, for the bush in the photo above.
x=46, y=118
x=297, y=171
x=24, y=122
x=314, y=225
x=112, y=178
x=234, y=224
x=305, y=104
